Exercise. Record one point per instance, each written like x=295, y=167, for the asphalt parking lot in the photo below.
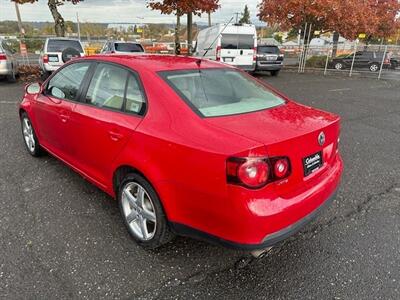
x=61, y=237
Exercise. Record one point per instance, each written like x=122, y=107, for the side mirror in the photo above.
x=33, y=88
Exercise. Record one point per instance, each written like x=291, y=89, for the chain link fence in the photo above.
x=348, y=59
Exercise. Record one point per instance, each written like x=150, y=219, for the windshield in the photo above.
x=61, y=45
x=268, y=50
x=237, y=41
x=221, y=92
x=128, y=47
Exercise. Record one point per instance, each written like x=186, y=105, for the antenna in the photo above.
x=212, y=44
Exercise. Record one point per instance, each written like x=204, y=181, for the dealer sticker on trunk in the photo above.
x=312, y=163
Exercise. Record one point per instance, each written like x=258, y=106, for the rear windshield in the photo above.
x=268, y=50
x=237, y=41
x=221, y=92
x=61, y=45
x=128, y=47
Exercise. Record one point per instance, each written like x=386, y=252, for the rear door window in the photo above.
x=237, y=41
x=54, y=45
x=268, y=50
x=128, y=47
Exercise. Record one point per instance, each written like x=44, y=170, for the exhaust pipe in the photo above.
x=260, y=253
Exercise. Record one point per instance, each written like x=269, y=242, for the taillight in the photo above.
x=254, y=53
x=45, y=59
x=256, y=172
x=218, y=54
x=3, y=56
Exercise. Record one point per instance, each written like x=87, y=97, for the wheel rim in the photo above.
x=374, y=68
x=338, y=66
x=138, y=210
x=28, y=134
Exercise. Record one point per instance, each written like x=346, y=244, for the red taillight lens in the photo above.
x=3, y=56
x=218, y=54
x=255, y=54
x=45, y=59
x=256, y=172
x=281, y=168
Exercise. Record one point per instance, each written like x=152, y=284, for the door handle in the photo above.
x=64, y=118
x=115, y=136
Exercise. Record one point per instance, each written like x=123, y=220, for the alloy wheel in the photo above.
x=28, y=134
x=338, y=66
x=138, y=210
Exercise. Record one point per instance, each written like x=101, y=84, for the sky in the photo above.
x=110, y=11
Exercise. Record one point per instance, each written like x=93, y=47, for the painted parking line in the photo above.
x=8, y=102
x=340, y=90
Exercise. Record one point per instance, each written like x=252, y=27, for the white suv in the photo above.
x=57, y=51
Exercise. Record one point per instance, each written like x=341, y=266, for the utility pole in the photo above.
x=237, y=17
x=209, y=19
x=21, y=29
x=79, y=26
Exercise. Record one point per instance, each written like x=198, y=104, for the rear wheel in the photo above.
x=29, y=135
x=339, y=66
x=374, y=67
x=142, y=212
x=12, y=77
x=275, y=73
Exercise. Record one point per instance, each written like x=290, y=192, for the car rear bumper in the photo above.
x=50, y=68
x=268, y=240
x=258, y=219
x=249, y=68
x=4, y=70
x=269, y=66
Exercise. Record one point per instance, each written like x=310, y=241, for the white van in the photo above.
x=235, y=45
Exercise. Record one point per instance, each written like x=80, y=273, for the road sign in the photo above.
x=22, y=49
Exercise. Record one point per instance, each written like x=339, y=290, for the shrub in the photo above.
x=316, y=62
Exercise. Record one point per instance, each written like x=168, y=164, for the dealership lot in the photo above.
x=61, y=237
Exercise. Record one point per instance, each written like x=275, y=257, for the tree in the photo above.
x=345, y=17
x=181, y=7
x=245, y=19
x=59, y=24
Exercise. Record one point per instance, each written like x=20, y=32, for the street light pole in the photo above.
x=79, y=26
x=21, y=29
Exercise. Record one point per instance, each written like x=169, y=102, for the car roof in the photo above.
x=62, y=38
x=157, y=62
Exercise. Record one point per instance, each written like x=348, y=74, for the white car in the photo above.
x=8, y=62
x=57, y=51
x=233, y=44
x=120, y=47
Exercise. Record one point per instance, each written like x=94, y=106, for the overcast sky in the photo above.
x=117, y=11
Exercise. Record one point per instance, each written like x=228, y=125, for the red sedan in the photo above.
x=187, y=146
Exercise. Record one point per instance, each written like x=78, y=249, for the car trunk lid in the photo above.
x=290, y=130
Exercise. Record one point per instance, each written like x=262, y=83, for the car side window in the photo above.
x=65, y=84
x=107, y=87
x=135, y=101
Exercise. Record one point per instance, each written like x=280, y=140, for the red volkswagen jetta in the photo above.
x=187, y=146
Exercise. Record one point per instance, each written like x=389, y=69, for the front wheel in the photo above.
x=30, y=138
x=142, y=212
x=374, y=67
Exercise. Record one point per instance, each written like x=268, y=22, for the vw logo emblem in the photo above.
x=321, y=139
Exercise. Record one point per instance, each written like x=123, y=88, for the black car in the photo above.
x=269, y=58
x=364, y=59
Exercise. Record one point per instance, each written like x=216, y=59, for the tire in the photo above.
x=275, y=73
x=147, y=212
x=45, y=75
x=12, y=77
x=338, y=66
x=30, y=139
x=69, y=54
x=374, y=67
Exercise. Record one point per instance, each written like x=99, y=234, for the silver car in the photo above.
x=8, y=62
x=57, y=51
x=120, y=47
